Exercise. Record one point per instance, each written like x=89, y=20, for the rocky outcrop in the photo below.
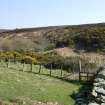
x=98, y=91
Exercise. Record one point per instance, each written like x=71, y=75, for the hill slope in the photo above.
x=89, y=37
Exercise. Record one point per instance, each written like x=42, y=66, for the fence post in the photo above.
x=14, y=58
x=8, y=63
x=23, y=65
x=87, y=76
x=61, y=69
x=79, y=70
x=31, y=67
x=50, y=69
x=39, y=68
x=74, y=70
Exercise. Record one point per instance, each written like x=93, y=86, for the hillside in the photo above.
x=87, y=37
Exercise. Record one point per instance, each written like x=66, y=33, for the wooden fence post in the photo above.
x=31, y=67
x=87, y=76
x=79, y=70
x=39, y=68
x=61, y=70
x=23, y=65
x=8, y=63
x=50, y=69
x=74, y=70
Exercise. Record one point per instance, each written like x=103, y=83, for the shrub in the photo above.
x=29, y=60
x=92, y=40
x=50, y=47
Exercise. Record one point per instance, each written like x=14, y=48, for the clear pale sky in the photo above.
x=34, y=13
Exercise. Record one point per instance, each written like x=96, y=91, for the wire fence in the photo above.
x=40, y=69
x=74, y=73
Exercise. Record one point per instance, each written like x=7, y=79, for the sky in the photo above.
x=38, y=13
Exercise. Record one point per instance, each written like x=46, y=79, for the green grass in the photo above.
x=15, y=84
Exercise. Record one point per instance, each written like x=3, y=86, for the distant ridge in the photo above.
x=33, y=29
x=50, y=27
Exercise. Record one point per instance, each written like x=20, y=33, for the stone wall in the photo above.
x=98, y=91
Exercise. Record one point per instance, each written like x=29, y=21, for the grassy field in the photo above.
x=15, y=84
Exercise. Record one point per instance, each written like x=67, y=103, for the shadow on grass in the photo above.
x=83, y=96
x=62, y=78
